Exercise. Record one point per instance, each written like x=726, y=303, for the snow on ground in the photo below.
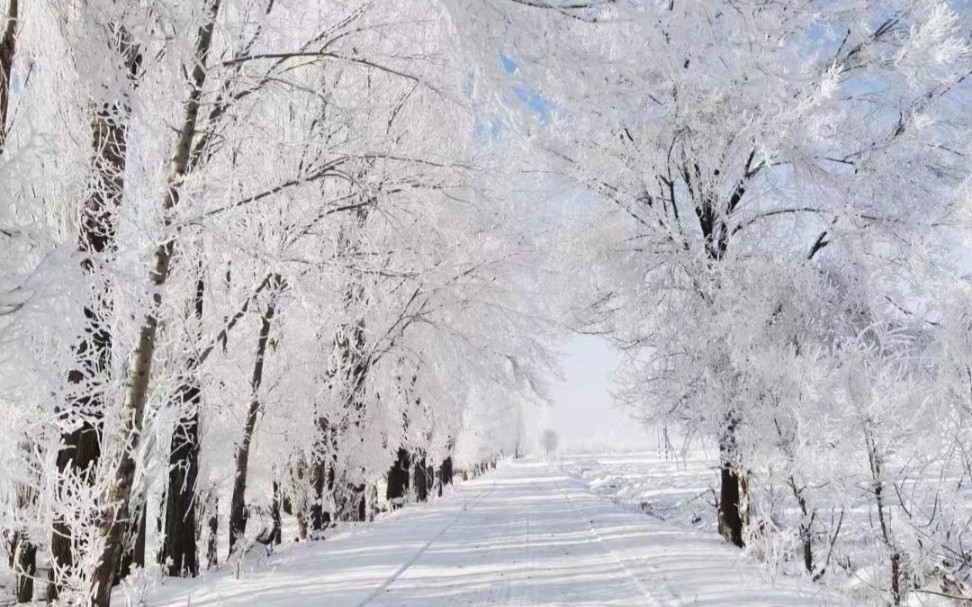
x=669, y=488
x=528, y=533
x=678, y=489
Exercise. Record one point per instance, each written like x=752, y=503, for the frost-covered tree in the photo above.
x=757, y=141
x=261, y=253
x=280, y=221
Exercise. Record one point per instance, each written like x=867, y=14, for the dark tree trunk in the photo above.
x=319, y=519
x=80, y=451
x=237, y=521
x=445, y=474
x=160, y=518
x=181, y=531
x=422, y=480
x=26, y=569
x=352, y=503
x=730, y=495
x=134, y=553
x=212, y=559
x=82, y=443
x=277, y=531
x=178, y=552
x=807, y=549
x=398, y=479
x=359, y=495
x=321, y=476
x=331, y=479
x=733, y=497
x=372, y=505
x=23, y=552
x=8, y=46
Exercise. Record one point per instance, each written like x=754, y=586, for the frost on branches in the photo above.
x=263, y=256
x=777, y=194
x=252, y=254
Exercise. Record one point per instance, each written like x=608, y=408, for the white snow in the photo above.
x=528, y=533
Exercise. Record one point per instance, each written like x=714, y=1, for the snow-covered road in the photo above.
x=525, y=534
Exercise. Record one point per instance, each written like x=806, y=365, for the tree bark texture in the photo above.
x=25, y=569
x=733, y=490
x=398, y=479
x=237, y=521
x=424, y=479
x=117, y=514
x=178, y=552
x=8, y=48
x=81, y=439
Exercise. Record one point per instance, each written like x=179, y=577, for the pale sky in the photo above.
x=584, y=413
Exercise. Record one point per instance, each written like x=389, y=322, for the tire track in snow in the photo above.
x=650, y=599
x=382, y=587
x=529, y=557
x=499, y=594
x=521, y=540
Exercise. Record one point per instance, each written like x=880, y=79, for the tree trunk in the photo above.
x=733, y=496
x=212, y=558
x=359, y=502
x=12, y=539
x=8, y=47
x=318, y=476
x=372, y=505
x=875, y=461
x=277, y=532
x=349, y=381
x=398, y=480
x=806, y=523
x=422, y=478
x=134, y=552
x=81, y=444
x=118, y=499
x=351, y=502
x=79, y=452
x=178, y=552
x=25, y=568
x=445, y=474
x=237, y=521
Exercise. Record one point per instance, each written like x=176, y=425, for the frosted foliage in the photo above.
x=774, y=197
x=263, y=255
x=332, y=193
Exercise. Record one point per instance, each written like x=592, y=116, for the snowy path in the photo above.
x=523, y=535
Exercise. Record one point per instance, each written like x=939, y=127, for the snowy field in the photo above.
x=525, y=534
x=679, y=490
x=666, y=488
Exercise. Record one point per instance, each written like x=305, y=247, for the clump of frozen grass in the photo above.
x=136, y=586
